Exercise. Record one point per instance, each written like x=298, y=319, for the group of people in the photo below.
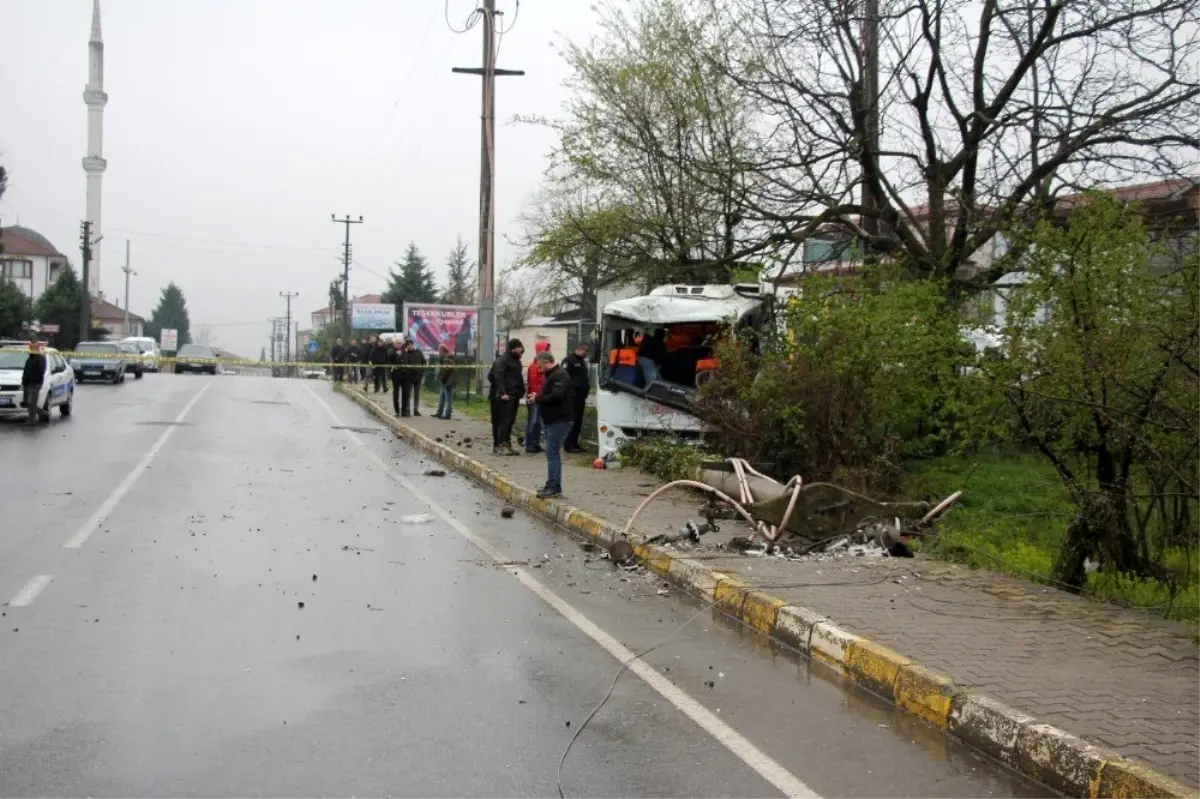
x=555, y=398
x=374, y=361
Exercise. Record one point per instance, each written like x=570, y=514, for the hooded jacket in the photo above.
x=533, y=375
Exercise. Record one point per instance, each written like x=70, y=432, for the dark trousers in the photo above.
x=380, y=377
x=504, y=413
x=337, y=373
x=408, y=398
x=578, y=405
x=396, y=396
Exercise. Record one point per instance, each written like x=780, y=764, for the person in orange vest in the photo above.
x=705, y=368
x=534, y=378
x=622, y=362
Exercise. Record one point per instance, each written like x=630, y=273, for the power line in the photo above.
x=216, y=241
x=472, y=19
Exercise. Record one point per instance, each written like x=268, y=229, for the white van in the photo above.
x=148, y=348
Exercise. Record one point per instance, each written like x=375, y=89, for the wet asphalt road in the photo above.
x=167, y=653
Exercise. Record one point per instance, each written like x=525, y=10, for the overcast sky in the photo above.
x=234, y=128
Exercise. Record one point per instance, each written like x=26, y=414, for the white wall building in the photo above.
x=29, y=260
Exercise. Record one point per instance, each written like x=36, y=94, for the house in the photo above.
x=29, y=260
x=322, y=316
x=111, y=318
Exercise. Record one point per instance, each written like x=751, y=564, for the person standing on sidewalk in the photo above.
x=379, y=359
x=447, y=381
x=576, y=366
x=32, y=377
x=396, y=363
x=414, y=374
x=353, y=354
x=533, y=385
x=506, y=387
x=337, y=354
x=554, y=402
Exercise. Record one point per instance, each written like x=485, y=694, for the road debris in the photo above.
x=416, y=518
x=508, y=513
x=435, y=473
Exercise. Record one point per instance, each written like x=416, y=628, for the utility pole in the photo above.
x=487, y=184
x=127, y=272
x=287, y=325
x=85, y=302
x=347, y=221
x=870, y=100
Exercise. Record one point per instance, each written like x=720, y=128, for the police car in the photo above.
x=58, y=383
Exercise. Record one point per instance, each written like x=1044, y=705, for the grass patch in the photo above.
x=1012, y=517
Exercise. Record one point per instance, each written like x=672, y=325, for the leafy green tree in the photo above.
x=413, y=283
x=460, y=277
x=15, y=308
x=656, y=131
x=59, y=305
x=1101, y=366
x=170, y=314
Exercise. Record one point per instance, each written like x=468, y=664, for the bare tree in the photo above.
x=983, y=110
x=519, y=294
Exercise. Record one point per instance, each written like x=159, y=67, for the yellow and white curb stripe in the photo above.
x=1045, y=753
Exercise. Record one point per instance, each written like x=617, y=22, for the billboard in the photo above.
x=372, y=316
x=429, y=326
x=168, y=340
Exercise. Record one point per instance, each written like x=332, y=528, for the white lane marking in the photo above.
x=107, y=507
x=30, y=592
x=760, y=762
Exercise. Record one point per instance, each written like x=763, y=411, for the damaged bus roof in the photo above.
x=681, y=304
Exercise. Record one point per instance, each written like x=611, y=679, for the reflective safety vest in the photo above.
x=622, y=356
x=706, y=364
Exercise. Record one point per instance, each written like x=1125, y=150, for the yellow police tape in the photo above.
x=164, y=359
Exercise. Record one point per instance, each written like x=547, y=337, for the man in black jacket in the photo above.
x=32, y=377
x=576, y=366
x=396, y=363
x=555, y=405
x=507, y=387
x=414, y=372
x=379, y=359
x=337, y=354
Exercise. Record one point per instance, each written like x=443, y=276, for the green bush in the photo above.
x=863, y=376
x=663, y=458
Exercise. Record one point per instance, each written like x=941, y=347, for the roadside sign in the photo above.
x=50, y=328
x=312, y=347
x=169, y=340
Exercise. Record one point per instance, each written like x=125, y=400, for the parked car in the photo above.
x=58, y=384
x=196, y=358
x=148, y=348
x=133, y=358
x=99, y=360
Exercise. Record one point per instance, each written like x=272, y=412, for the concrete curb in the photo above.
x=1041, y=751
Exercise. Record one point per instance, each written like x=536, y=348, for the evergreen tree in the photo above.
x=413, y=283
x=170, y=314
x=59, y=305
x=15, y=308
x=460, y=277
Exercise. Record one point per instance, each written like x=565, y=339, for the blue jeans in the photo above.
x=649, y=370
x=445, y=402
x=533, y=427
x=556, y=434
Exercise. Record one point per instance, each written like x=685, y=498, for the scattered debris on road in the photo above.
x=508, y=513
x=416, y=518
x=435, y=473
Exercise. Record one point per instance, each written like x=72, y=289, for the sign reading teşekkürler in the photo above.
x=430, y=326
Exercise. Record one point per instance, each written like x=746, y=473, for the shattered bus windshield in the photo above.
x=637, y=355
